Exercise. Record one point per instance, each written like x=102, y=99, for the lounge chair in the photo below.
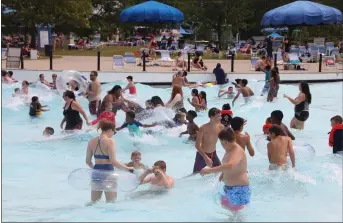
x=13, y=58
x=129, y=59
x=118, y=62
x=165, y=58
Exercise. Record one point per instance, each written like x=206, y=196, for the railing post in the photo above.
x=189, y=62
x=98, y=60
x=144, y=65
x=50, y=59
x=21, y=59
x=232, y=62
x=275, y=60
x=320, y=62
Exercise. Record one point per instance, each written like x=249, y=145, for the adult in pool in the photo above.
x=302, y=103
x=206, y=141
x=94, y=93
x=276, y=119
x=114, y=96
x=71, y=112
x=103, y=149
x=234, y=173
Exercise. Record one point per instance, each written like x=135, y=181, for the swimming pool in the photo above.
x=35, y=171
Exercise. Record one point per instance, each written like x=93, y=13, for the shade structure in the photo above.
x=302, y=13
x=185, y=32
x=274, y=35
x=270, y=30
x=151, y=12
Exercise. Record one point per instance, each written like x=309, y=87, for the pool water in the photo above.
x=35, y=170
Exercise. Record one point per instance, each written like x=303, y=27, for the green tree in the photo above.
x=30, y=13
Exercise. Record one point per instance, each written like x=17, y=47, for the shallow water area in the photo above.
x=35, y=169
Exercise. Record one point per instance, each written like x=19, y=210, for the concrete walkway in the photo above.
x=88, y=63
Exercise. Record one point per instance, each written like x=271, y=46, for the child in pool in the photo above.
x=48, y=131
x=266, y=80
x=237, y=124
x=107, y=114
x=266, y=126
x=159, y=177
x=229, y=92
x=180, y=119
x=136, y=158
x=133, y=125
x=226, y=115
x=192, y=128
x=233, y=173
x=36, y=108
x=16, y=92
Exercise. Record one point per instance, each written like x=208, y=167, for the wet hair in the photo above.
x=244, y=82
x=276, y=129
x=184, y=74
x=94, y=72
x=277, y=114
x=54, y=75
x=230, y=87
x=192, y=113
x=238, y=80
x=41, y=75
x=50, y=130
x=269, y=120
x=135, y=153
x=26, y=82
x=183, y=110
x=268, y=67
x=34, y=99
x=3, y=73
x=227, y=135
x=161, y=164
x=131, y=114
x=203, y=95
x=10, y=73
x=195, y=92
x=306, y=90
x=237, y=123
x=16, y=89
x=213, y=112
x=156, y=100
x=106, y=125
x=114, y=89
x=338, y=119
x=69, y=94
x=129, y=78
x=226, y=107
x=148, y=101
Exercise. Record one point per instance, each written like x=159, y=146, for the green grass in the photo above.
x=109, y=51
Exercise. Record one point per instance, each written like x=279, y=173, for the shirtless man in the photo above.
x=192, y=128
x=93, y=93
x=278, y=149
x=160, y=179
x=206, y=141
x=246, y=91
x=276, y=119
x=234, y=173
x=237, y=124
x=114, y=96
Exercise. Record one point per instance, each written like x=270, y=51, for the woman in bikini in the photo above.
x=104, y=151
x=202, y=102
x=273, y=85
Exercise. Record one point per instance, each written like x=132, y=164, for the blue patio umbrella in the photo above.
x=302, y=13
x=185, y=32
x=274, y=35
x=151, y=12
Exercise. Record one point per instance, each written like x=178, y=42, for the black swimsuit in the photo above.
x=72, y=118
x=302, y=111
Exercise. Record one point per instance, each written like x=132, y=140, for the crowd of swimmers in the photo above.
x=222, y=126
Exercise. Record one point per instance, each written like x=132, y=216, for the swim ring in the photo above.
x=67, y=77
x=103, y=180
x=301, y=150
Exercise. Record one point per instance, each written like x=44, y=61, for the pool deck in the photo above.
x=163, y=75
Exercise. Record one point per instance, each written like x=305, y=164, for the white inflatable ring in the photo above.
x=302, y=151
x=63, y=80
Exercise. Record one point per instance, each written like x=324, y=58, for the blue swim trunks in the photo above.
x=238, y=195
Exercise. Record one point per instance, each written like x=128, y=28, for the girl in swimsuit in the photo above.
x=71, y=112
x=196, y=99
x=301, y=109
x=202, y=101
x=273, y=86
x=104, y=151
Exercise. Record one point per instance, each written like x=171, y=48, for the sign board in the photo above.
x=44, y=37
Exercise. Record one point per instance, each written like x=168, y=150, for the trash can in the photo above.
x=48, y=49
